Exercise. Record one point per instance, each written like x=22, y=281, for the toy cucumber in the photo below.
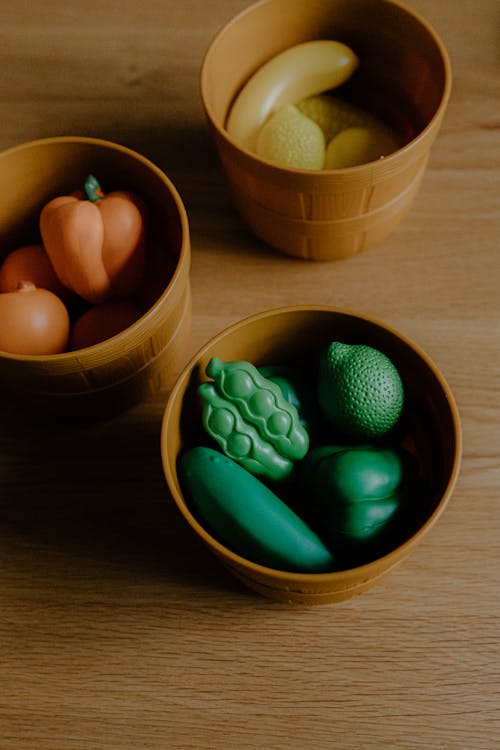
x=247, y=517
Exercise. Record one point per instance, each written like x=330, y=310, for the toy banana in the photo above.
x=296, y=73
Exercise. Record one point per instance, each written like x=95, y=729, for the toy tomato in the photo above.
x=96, y=246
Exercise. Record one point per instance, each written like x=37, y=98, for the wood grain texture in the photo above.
x=118, y=630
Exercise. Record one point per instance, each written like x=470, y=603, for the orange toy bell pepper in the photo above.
x=96, y=246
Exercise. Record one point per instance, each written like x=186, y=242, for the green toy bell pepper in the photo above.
x=359, y=495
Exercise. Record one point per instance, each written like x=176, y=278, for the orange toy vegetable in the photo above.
x=32, y=321
x=29, y=263
x=96, y=246
x=103, y=321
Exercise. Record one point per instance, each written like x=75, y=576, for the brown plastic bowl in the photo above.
x=404, y=77
x=294, y=336
x=119, y=372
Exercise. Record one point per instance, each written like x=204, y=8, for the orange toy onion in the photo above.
x=28, y=263
x=96, y=246
x=103, y=321
x=33, y=321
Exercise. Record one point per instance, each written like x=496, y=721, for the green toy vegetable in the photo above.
x=246, y=516
x=356, y=494
x=251, y=421
x=298, y=387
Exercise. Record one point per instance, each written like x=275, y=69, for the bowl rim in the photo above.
x=388, y=161
x=183, y=262
x=366, y=570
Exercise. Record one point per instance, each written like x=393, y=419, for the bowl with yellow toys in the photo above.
x=323, y=127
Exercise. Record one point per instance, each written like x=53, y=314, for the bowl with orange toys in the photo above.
x=94, y=275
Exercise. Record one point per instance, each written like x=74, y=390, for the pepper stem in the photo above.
x=92, y=189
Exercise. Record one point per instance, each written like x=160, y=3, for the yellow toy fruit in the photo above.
x=290, y=139
x=299, y=71
x=360, y=145
x=334, y=115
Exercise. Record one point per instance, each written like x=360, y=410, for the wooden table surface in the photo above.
x=118, y=630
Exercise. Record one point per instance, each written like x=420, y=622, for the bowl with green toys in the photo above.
x=311, y=449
